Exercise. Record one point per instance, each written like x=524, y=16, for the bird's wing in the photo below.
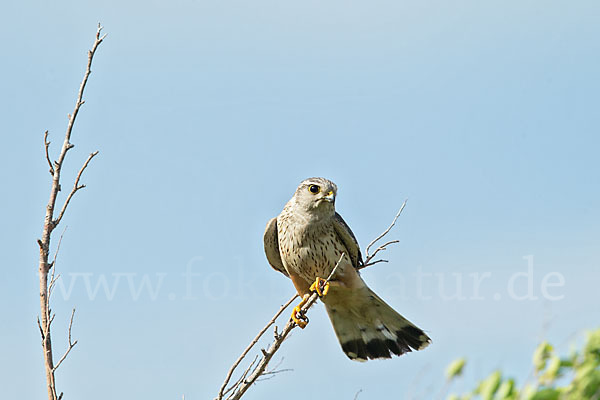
x=347, y=237
x=271, y=242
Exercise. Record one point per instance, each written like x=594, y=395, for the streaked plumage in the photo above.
x=305, y=242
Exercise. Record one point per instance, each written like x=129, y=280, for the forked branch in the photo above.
x=71, y=343
x=76, y=187
x=369, y=257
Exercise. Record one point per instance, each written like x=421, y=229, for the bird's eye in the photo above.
x=314, y=189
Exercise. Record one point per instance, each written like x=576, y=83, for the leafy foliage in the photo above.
x=575, y=377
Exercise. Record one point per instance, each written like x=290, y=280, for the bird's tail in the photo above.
x=368, y=328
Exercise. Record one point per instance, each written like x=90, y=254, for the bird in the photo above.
x=305, y=242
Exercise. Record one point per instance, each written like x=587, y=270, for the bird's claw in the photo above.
x=299, y=317
x=321, y=286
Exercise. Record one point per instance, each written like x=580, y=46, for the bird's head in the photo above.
x=316, y=196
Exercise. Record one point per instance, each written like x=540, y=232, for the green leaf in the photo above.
x=541, y=355
x=488, y=387
x=546, y=394
x=455, y=368
x=528, y=392
x=506, y=390
x=551, y=372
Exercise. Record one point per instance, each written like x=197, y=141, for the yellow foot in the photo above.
x=298, y=315
x=321, y=286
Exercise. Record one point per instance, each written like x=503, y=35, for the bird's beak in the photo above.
x=330, y=197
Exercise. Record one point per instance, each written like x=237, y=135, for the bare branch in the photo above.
x=386, y=231
x=76, y=187
x=368, y=261
x=241, y=379
x=260, y=368
x=270, y=374
x=369, y=257
x=238, y=382
x=79, y=102
x=274, y=371
x=46, y=284
x=58, y=246
x=52, y=265
x=47, y=145
x=52, y=284
x=71, y=344
x=252, y=343
x=372, y=263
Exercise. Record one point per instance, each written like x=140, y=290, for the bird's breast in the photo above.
x=310, y=251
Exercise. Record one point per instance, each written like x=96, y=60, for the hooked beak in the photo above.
x=330, y=197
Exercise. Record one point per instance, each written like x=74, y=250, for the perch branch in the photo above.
x=244, y=384
x=252, y=343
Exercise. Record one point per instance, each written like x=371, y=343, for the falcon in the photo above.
x=305, y=242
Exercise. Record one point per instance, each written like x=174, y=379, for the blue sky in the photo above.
x=208, y=114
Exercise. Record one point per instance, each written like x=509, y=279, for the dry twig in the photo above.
x=50, y=223
x=71, y=343
x=369, y=257
x=252, y=343
x=242, y=385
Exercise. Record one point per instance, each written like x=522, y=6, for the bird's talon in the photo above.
x=299, y=317
x=321, y=286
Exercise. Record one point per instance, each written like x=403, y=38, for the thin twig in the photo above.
x=53, y=265
x=242, y=377
x=387, y=230
x=270, y=374
x=369, y=257
x=274, y=371
x=47, y=145
x=368, y=262
x=252, y=343
x=67, y=145
x=76, y=187
x=259, y=370
x=71, y=344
